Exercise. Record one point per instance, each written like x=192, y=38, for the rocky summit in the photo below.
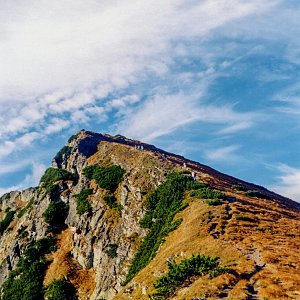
x=115, y=218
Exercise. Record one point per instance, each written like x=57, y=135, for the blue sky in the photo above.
x=216, y=81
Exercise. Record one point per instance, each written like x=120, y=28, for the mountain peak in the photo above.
x=114, y=218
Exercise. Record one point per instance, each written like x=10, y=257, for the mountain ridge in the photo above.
x=99, y=232
x=179, y=159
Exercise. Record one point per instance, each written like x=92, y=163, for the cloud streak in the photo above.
x=60, y=60
x=138, y=68
x=289, y=182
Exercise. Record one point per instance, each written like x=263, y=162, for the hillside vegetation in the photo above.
x=114, y=220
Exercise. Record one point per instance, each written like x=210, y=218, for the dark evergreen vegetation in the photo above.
x=107, y=177
x=162, y=205
x=178, y=274
x=26, y=281
x=6, y=221
x=111, y=201
x=197, y=265
x=60, y=290
x=244, y=218
x=111, y=250
x=65, y=151
x=51, y=176
x=257, y=194
x=56, y=213
x=83, y=205
x=238, y=187
x=207, y=193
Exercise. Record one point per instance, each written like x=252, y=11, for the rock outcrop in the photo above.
x=96, y=247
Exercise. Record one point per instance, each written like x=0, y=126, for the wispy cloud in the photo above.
x=144, y=69
x=164, y=113
x=227, y=153
x=31, y=179
x=288, y=182
x=62, y=58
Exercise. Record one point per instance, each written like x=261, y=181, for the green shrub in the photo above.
x=111, y=250
x=72, y=137
x=244, y=218
x=121, y=137
x=64, y=151
x=214, y=202
x=26, y=281
x=83, y=205
x=56, y=213
x=53, y=175
x=207, y=193
x=254, y=193
x=111, y=201
x=162, y=205
x=25, y=208
x=6, y=221
x=178, y=274
x=22, y=232
x=185, y=172
x=60, y=290
x=107, y=177
x=238, y=187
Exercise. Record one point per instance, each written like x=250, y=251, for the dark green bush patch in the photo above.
x=238, y=187
x=83, y=205
x=214, y=202
x=178, y=273
x=6, y=221
x=207, y=193
x=244, y=218
x=53, y=175
x=185, y=172
x=56, y=213
x=65, y=151
x=111, y=201
x=162, y=205
x=26, y=281
x=107, y=177
x=60, y=290
x=72, y=137
x=257, y=194
x=111, y=250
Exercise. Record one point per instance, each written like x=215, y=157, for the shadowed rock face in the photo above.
x=256, y=236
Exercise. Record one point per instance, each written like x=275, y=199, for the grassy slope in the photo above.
x=266, y=261
x=263, y=260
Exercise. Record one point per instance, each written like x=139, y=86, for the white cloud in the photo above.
x=31, y=179
x=163, y=114
x=241, y=125
x=64, y=62
x=61, y=44
x=56, y=125
x=6, y=168
x=64, y=57
x=288, y=182
x=224, y=154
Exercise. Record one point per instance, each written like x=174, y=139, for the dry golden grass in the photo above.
x=263, y=254
x=190, y=238
x=63, y=265
x=59, y=267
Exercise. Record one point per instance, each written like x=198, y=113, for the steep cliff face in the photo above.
x=95, y=202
